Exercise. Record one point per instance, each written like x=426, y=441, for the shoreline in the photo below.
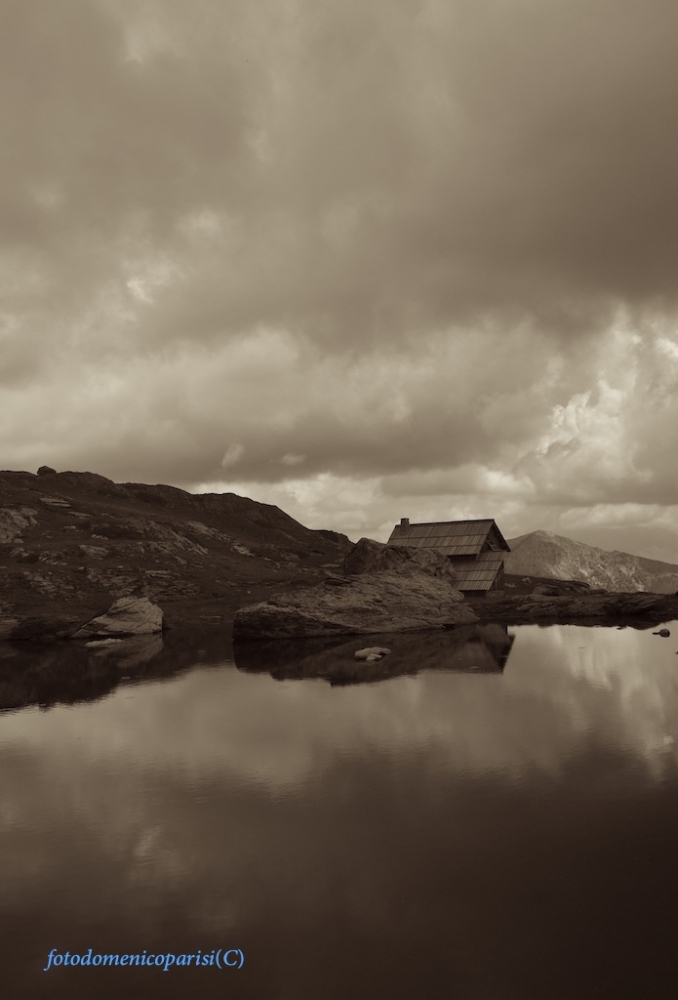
x=634, y=609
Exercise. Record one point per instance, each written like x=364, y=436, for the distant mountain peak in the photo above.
x=544, y=554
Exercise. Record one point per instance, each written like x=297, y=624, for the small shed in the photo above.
x=475, y=549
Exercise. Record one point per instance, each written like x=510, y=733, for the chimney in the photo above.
x=404, y=522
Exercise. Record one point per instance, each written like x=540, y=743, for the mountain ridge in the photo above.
x=545, y=554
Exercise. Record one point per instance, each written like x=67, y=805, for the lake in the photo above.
x=496, y=820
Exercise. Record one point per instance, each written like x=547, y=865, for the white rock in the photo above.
x=54, y=501
x=14, y=521
x=127, y=616
x=94, y=551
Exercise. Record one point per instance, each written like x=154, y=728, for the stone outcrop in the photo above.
x=14, y=521
x=94, y=551
x=386, y=589
x=574, y=609
x=127, y=616
x=368, y=556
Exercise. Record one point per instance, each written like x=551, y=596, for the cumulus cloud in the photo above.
x=422, y=249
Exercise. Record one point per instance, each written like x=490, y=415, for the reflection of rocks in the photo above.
x=469, y=648
x=129, y=652
x=371, y=653
x=68, y=672
x=128, y=616
x=386, y=589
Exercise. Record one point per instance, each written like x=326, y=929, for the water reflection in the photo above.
x=466, y=834
x=70, y=672
x=472, y=648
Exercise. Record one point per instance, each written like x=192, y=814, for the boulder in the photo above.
x=368, y=556
x=94, y=551
x=387, y=589
x=45, y=470
x=55, y=502
x=127, y=616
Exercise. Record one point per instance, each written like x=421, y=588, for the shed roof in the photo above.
x=452, y=538
x=480, y=573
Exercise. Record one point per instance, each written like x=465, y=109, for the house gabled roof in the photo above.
x=452, y=538
x=479, y=573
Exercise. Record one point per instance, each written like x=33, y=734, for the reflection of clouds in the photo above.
x=621, y=685
x=561, y=684
x=233, y=787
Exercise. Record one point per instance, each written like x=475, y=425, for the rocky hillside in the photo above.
x=72, y=542
x=543, y=554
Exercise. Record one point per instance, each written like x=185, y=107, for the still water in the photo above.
x=497, y=820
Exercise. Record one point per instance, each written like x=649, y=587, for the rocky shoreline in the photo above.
x=268, y=620
x=635, y=609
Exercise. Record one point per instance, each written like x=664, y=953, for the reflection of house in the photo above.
x=475, y=549
x=472, y=649
x=486, y=650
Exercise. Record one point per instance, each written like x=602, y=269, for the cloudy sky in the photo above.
x=362, y=259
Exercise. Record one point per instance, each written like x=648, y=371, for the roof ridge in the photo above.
x=463, y=520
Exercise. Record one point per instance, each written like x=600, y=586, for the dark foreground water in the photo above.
x=479, y=830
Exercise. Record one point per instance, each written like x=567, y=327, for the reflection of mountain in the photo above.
x=468, y=648
x=70, y=672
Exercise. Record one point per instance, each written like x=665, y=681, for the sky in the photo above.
x=364, y=260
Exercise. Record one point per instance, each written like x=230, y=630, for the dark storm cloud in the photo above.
x=409, y=243
x=374, y=165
